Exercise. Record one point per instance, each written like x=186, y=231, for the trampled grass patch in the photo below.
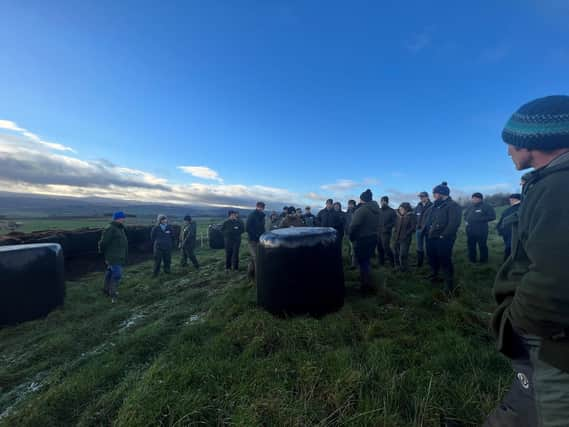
x=192, y=348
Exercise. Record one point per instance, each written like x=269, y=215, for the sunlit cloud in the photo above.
x=202, y=172
x=13, y=127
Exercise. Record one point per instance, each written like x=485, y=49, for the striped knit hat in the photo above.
x=542, y=124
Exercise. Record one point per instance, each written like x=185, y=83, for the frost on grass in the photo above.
x=131, y=321
x=9, y=400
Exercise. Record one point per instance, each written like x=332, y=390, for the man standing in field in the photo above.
x=188, y=242
x=232, y=230
x=443, y=222
x=477, y=217
x=504, y=226
x=162, y=238
x=255, y=227
x=421, y=211
x=531, y=322
x=114, y=246
x=386, y=224
x=363, y=234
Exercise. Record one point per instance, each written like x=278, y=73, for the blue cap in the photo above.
x=119, y=215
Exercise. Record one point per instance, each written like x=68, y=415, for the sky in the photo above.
x=230, y=102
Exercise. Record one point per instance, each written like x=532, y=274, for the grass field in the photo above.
x=193, y=349
x=28, y=225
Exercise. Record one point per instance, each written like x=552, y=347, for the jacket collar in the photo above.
x=559, y=164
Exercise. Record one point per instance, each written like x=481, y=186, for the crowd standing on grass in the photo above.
x=531, y=323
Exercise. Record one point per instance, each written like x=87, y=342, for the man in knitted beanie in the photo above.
x=531, y=322
x=441, y=227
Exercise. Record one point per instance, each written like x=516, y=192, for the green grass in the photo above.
x=29, y=225
x=193, y=349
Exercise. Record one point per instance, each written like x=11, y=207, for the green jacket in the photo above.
x=114, y=244
x=365, y=222
x=188, y=235
x=532, y=287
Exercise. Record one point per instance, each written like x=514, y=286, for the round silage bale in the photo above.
x=32, y=281
x=299, y=270
x=215, y=237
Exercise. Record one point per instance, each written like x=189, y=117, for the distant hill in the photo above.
x=16, y=205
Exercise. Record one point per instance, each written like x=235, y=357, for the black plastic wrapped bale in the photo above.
x=31, y=281
x=299, y=270
x=215, y=237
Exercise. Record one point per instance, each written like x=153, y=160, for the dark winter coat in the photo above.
x=329, y=218
x=504, y=226
x=292, y=221
x=188, y=235
x=444, y=219
x=388, y=219
x=531, y=288
x=255, y=225
x=365, y=222
x=405, y=227
x=309, y=220
x=162, y=240
x=232, y=230
x=421, y=212
x=114, y=244
x=477, y=217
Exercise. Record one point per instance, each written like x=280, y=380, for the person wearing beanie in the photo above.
x=386, y=224
x=232, y=230
x=404, y=230
x=114, y=247
x=421, y=212
x=255, y=227
x=363, y=235
x=531, y=288
x=477, y=216
x=187, y=243
x=442, y=225
x=162, y=238
x=504, y=226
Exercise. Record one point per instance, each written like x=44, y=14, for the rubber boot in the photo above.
x=114, y=290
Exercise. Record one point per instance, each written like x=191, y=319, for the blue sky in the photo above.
x=290, y=101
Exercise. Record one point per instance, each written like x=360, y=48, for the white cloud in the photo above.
x=26, y=167
x=202, y=172
x=11, y=126
x=340, y=185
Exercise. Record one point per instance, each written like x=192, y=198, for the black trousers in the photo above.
x=477, y=241
x=188, y=252
x=232, y=254
x=384, y=248
x=162, y=256
x=439, y=252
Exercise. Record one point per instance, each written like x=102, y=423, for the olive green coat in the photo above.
x=532, y=287
x=114, y=244
x=365, y=222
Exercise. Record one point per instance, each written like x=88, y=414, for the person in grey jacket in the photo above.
x=349, y=216
x=162, y=237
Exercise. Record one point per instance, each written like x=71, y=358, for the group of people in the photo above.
x=531, y=322
x=114, y=247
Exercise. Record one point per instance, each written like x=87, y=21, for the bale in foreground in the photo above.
x=32, y=281
x=300, y=271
